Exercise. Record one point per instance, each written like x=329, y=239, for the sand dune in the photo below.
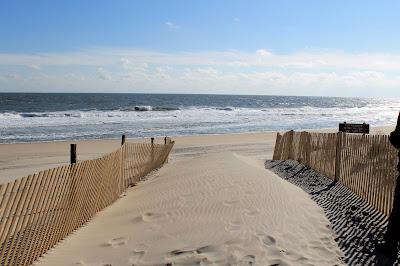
x=221, y=209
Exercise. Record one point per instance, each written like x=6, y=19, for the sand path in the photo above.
x=220, y=209
x=22, y=159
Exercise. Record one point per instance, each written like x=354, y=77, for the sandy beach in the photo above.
x=232, y=133
x=214, y=203
x=21, y=159
x=215, y=209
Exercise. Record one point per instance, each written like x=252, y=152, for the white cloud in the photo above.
x=125, y=62
x=263, y=52
x=171, y=25
x=34, y=67
x=260, y=72
x=103, y=74
x=262, y=58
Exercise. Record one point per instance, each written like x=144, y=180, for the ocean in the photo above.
x=27, y=117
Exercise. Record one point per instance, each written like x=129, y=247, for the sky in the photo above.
x=321, y=48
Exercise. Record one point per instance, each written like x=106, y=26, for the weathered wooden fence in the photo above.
x=39, y=210
x=367, y=164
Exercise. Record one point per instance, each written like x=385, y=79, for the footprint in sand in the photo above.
x=150, y=216
x=230, y=202
x=275, y=262
x=211, y=255
x=233, y=226
x=138, y=253
x=268, y=241
x=302, y=260
x=186, y=257
x=116, y=242
x=136, y=256
x=248, y=260
x=137, y=219
x=206, y=249
x=251, y=212
x=88, y=264
x=206, y=255
x=233, y=242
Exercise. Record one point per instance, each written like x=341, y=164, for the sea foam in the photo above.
x=168, y=116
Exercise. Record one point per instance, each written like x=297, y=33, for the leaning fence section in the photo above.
x=366, y=164
x=141, y=158
x=39, y=210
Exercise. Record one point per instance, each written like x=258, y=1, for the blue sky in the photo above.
x=336, y=48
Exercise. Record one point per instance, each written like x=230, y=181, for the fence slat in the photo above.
x=364, y=163
x=21, y=217
x=39, y=210
x=12, y=219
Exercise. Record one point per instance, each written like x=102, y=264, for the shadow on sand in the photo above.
x=359, y=227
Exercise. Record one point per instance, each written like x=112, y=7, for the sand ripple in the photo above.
x=219, y=209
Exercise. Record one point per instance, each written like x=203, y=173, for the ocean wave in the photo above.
x=147, y=112
x=166, y=109
x=83, y=113
x=14, y=115
x=73, y=124
x=224, y=108
x=144, y=108
x=54, y=114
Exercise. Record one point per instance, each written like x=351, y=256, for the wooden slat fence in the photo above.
x=39, y=210
x=367, y=164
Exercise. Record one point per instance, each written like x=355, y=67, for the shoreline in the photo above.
x=328, y=129
x=21, y=159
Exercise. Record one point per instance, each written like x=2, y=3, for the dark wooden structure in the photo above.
x=354, y=128
x=392, y=237
x=73, y=154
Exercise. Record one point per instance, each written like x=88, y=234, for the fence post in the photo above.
x=303, y=148
x=277, y=151
x=308, y=148
x=124, y=180
x=152, y=150
x=165, y=142
x=290, y=155
x=73, y=154
x=338, y=160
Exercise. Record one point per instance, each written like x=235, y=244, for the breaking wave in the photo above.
x=171, y=118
